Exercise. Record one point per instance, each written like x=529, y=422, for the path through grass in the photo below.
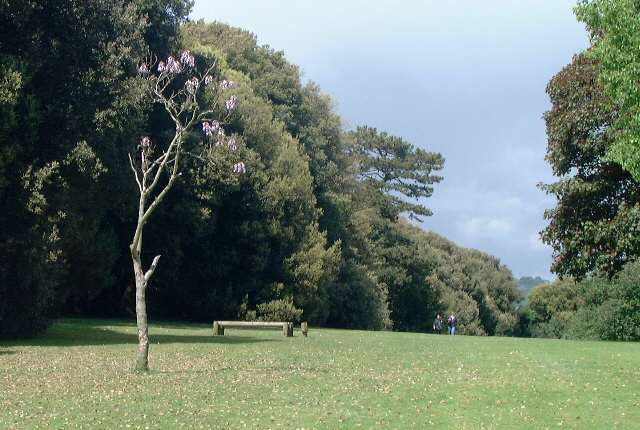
x=78, y=376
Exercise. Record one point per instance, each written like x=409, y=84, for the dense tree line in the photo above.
x=594, y=227
x=316, y=229
x=596, y=308
x=614, y=27
x=593, y=148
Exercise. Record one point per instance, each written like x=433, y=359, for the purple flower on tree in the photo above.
x=231, y=103
x=211, y=128
x=192, y=85
x=225, y=85
x=187, y=59
x=215, y=126
x=231, y=144
x=173, y=65
x=206, y=127
x=143, y=69
x=161, y=67
x=145, y=142
x=208, y=79
x=239, y=168
x=220, y=136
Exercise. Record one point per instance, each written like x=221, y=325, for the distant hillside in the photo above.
x=527, y=283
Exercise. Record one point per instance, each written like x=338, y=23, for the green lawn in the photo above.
x=78, y=376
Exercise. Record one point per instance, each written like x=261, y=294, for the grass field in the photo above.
x=78, y=376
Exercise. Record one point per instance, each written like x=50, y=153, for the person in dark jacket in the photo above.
x=452, y=322
x=438, y=324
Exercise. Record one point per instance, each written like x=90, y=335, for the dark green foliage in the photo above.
x=594, y=226
x=403, y=265
x=474, y=286
x=551, y=307
x=279, y=310
x=309, y=120
x=593, y=132
x=357, y=300
x=71, y=113
x=391, y=166
x=595, y=308
x=610, y=309
x=615, y=36
x=263, y=235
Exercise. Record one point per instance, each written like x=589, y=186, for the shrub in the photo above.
x=28, y=285
x=279, y=310
x=556, y=327
x=596, y=308
x=612, y=307
x=507, y=324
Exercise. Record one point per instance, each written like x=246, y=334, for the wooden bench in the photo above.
x=219, y=326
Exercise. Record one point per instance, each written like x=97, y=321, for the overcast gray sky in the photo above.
x=465, y=78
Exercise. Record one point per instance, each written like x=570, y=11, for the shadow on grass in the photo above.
x=86, y=333
x=7, y=352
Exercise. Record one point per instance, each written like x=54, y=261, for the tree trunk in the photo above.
x=142, y=358
x=142, y=281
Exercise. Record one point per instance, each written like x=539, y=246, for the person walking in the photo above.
x=438, y=324
x=452, y=322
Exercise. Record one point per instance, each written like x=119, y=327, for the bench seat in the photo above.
x=220, y=326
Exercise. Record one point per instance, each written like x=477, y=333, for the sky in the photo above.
x=465, y=78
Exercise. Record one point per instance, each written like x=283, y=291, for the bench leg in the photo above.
x=304, y=326
x=290, y=329
x=218, y=330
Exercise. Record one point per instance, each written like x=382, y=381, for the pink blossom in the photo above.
x=143, y=69
x=231, y=144
x=232, y=103
x=208, y=79
x=239, y=168
x=211, y=128
x=225, y=85
x=192, y=85
x=207, y=128
x=187, y=59
x=161, y=67
x=145, y=142
x=173, y=66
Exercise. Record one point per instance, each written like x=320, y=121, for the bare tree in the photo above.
x=190, y=98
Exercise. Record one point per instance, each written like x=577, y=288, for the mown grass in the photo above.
x=79, y=376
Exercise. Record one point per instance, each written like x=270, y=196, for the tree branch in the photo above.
x=149, y=273
x=135, y=172
x=166, y=154
x=159, y=198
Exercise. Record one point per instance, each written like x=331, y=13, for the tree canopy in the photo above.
x=395, y=168
x=594, y=226
x=614, y=26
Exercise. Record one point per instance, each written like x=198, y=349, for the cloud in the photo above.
x=486, y=227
